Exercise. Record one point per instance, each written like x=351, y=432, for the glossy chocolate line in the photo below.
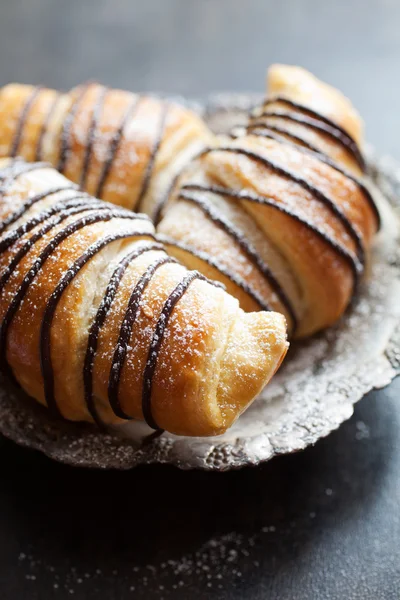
x=347, y=138
x=312, y=150
x=319, y=126
x=151, y=162
x=99, y=321
x=310, y=112
x=23, y=251
x=241, y=283
x=22, y=121
x=46, y=122
x=306, y=122
x=160, y=206
x=303, y=183
x=157, y=215
x=353, y=262
x=97, y=110
x=156, y=342
x=268, y=131
x=51, y=307
x=30, y=202
x=115, y=144
x=243, y=243
x=125, y=332
x=62, y=235
x=164, y=199
x=66, y=129
x=15, y=234
x=79, y=201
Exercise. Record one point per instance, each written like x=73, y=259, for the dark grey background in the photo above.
x=335, y=507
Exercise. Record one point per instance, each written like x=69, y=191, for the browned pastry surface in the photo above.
x=282, y=207
x=118, y=146
x=278, y=212
x=99, y=323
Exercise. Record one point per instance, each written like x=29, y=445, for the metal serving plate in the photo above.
x=313, y=393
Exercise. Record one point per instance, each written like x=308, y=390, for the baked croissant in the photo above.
x=100, y=324
x=118, y=146
x=281, y=213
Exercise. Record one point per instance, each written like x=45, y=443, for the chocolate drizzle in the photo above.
x=164, y=199
x=97, y=109
x=354, y=263
x=215, y=264
x=99, y=321
x=66, y=210
x=50, y=218
x=166, y=196
x=75, y=201
x=66, y=130
x=30, y=202
x=308, y=187
x=316, y=120
x=51, y=307
x=153, y=156
x=281, y=135
x=241, y=241
x=94, y=217
x=156, y=343
x=22, y=121
x=269, y=131
x=114, y=146
x=46, y=122
x=120, y=352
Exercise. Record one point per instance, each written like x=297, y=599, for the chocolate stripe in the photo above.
x=114, y=146
x=354, y=263
x=153, y=156
x=303, y=183
x=313, y=151
x=30, y=202
x=125, y=332
x=242, y=242
x=264, y=130
x=79, y=200
x=215, y=264
x=15, y=234
x=51, y=307
x=341, y=134
x=22, y=121
x=156, y=342
x=97, y=109
x=70, y=229
x=65, y=212
x=99, y=321
x=165, y=197
x=318, y=126
x=45, y=125
x=66, y=129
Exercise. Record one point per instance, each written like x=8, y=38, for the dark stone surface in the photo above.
x=333, y=509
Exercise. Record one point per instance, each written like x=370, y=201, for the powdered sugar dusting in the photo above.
x=311, y=396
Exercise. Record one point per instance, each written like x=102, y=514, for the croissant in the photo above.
x=118, y=146
x=282, y=204
x=99, y=324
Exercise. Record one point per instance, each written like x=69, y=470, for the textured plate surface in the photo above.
x=313, y=393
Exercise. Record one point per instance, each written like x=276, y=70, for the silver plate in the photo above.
x=313, y=393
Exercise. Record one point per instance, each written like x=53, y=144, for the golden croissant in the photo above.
x=279, y=211
x=99, y=324
x=282, y=205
